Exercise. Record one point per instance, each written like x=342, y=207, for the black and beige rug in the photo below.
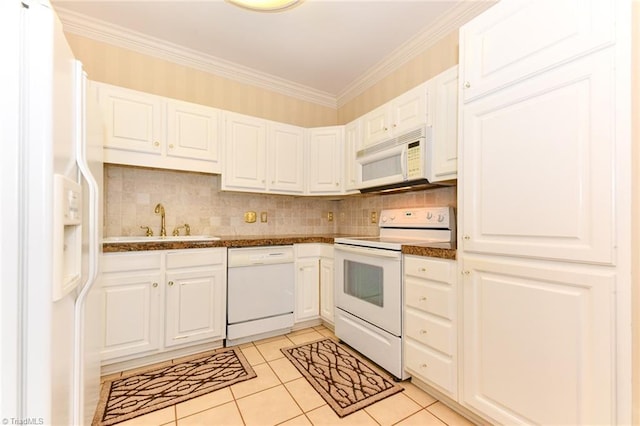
x=345, y=381
x=162, y=385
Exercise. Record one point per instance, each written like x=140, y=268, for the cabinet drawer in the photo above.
x=429, y=269
x=429, y=365
x=195, y=257
x=431, y=297
x=129, y=262
x=431, y=331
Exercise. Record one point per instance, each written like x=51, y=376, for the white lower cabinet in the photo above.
x=196, y=302
x=314, y=282
x=430, y=348
x=307, y=290
x=178, y=293
x=132, y=299
x=327, y=304
x=538, y=339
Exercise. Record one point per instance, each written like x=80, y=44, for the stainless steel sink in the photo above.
x=143, y=239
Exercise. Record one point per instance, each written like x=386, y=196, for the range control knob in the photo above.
x=383, y=219
x=393, y=218
x=440, y=218
x=429, y=215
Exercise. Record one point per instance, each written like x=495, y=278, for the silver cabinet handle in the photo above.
x=170, y=283
x=154, y=285
x=467, y=84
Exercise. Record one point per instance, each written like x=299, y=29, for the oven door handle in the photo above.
x=369, y=251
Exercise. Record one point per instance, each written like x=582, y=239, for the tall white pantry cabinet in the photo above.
x=544, y=206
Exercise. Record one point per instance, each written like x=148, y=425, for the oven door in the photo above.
x=368, y=284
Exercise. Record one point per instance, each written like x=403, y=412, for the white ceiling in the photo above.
x=325, y=48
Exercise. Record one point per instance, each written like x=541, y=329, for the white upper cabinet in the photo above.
x=246, y=149
x=403, y=113
x=133, y=120
x=352, y=142
x=192, y=131
x=286, y=145
x=442, y=119
x=152, y=131
x=521, y=38
x=325, y=160
x=263, y=156
x=538, y=163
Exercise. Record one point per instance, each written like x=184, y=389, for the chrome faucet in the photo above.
x=160, y=209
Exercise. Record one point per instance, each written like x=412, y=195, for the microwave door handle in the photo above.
x=403, y=164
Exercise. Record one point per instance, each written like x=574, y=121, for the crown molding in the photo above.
x=85, y=26
x=452, y=20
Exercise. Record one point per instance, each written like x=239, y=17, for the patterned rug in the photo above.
x=162, y=385
x=342, y=378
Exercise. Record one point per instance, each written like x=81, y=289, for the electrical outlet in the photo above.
x=374, y=217
x=330, y=216
x=263, y=217
x=250, y=217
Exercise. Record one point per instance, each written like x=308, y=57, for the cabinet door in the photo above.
x=286, y=158
x=245, y=159
x=325, y=160
x=376, y=125
x=515, y=39
x=307, y=292
x=192, y=131
x=538, y=162
x=443, y=123
x=538, y=341
x=132, y=120
x=327, y=304
x=195, y=306
x=132, y=320
x=409, y=110
x=352, y=142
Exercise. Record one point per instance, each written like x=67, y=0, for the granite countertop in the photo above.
x=440, y=250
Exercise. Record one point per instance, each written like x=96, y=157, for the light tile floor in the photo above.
x=279, y=395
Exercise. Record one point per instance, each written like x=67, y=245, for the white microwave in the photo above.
x=396, y=163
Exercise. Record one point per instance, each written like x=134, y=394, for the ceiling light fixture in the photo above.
x=266, y=5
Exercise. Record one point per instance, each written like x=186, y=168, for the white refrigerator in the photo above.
x=51, y=184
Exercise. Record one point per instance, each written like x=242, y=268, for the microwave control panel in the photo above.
x=414, y=160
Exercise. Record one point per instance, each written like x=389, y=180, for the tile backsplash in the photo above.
x=131, y=194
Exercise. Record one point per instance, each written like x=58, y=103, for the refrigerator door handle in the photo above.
x=93, y=251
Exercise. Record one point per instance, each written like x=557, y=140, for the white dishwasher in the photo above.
x=260, y=293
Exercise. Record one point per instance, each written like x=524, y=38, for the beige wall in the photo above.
x=439, y=57
x=122, y=67
x=635, y=138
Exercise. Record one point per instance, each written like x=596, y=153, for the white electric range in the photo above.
x=368, y=280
